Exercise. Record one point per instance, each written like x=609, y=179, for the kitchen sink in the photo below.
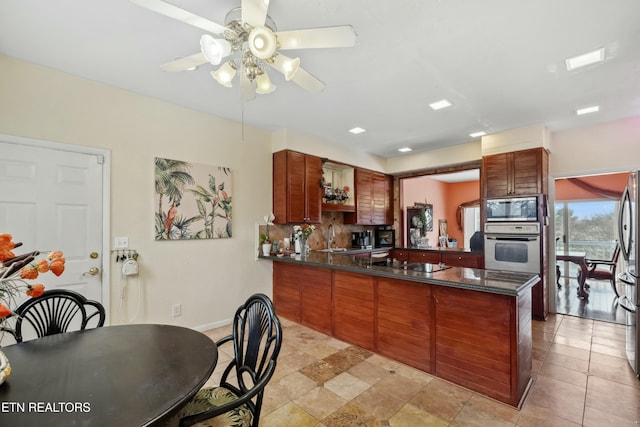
x=332, y=250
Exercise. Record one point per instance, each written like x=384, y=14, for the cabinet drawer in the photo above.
x=462, y=260
x=399, y=254
x=432, y=257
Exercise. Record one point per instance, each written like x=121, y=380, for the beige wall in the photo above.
x=607, y=147
x=208, y=277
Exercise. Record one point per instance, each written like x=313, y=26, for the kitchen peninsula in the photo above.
x=469, y=326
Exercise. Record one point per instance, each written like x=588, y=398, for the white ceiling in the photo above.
x=501, y=63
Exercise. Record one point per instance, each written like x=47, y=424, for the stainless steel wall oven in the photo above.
x=512, y=246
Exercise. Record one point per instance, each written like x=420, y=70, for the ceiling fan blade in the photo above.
x=254, y=12
x=247, y=88
x=305, y=80
x=341, y=36
x=187, y=17
x=185, y=63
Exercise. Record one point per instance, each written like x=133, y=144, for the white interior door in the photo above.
x=52, y=199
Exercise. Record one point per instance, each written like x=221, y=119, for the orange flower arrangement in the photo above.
x=16, y=270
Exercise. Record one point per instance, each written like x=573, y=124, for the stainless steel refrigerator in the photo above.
x=629, y=229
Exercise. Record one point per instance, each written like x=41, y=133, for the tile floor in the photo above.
x=581, y=377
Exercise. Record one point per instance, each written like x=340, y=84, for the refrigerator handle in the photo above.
x=625, y=231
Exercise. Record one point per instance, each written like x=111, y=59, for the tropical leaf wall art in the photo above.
x=193, y=201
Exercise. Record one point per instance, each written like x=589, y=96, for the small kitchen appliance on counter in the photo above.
x=361, y=240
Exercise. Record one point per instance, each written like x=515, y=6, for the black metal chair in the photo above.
x=603, y=269
x=55, y=311
x=257, y=338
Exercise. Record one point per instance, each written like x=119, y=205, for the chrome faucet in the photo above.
x=331, y=234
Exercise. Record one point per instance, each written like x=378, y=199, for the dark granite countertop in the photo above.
x=494, y=281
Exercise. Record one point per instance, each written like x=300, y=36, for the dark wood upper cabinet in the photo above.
x=516, y=173
x=297, y=194
x=374, y=199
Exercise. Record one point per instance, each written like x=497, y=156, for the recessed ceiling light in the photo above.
x=587, y=110
x=440, y=104
x=585, y=59
x=477, y=134
x=357, y=130
x=404, y=149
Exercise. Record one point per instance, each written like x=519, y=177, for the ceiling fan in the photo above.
x=250, y=45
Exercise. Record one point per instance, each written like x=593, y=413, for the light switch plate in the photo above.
x=121, y=243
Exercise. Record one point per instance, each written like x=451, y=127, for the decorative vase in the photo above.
x=266, y=249
x=304, y=247
x=5, y=367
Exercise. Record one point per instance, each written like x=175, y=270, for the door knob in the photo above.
x=92, y=271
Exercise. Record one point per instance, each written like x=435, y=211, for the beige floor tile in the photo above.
x=561, y=399
x=296, y=384
x=442, y=399
x=570, y=351
x=482, y=404
x=351, y=415
x=563, y=374
x=411, y=416
x=470, y=417
x=573, y=342
x=320, y=402
x=368, y=372
x=618, y=352
x=596, y=418
x=321, y=371
x=567, y=362
x=377, y=402
x=535, y=416
x=400, y=387
x=290, y=415
x=614, y=398
x=346, y=386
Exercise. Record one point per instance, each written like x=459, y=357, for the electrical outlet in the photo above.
x=176, y=310
x=120, y=243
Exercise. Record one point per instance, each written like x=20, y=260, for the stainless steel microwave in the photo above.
x=512, y=209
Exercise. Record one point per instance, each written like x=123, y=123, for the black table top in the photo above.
x=128, y=375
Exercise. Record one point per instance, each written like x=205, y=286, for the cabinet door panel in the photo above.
x=404, y=322
x=353, y=303
x=479, y=357
x=526, y=172
x=496, y=175
x=316, y=298
x=295, y=187
x=313, y=190
x=286, y=291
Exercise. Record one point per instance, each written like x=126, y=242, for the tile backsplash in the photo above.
x=318, y=239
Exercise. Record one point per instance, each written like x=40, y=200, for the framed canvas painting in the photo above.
x=192, y=201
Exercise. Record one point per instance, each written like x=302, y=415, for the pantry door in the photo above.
x=52, y=197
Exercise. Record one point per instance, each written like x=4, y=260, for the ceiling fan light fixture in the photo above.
x=214, y=49
x=224, y=75
x=262, y=42
x=264, y=85
x=287, y=66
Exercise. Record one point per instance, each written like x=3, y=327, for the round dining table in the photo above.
x=127, y=375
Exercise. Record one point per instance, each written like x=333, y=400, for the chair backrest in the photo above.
x=616, y=253
x=257, y=338
x=56, y=311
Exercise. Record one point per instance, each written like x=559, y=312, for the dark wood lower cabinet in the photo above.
x=353, y=308
x=316, y=298
x=303, y=294
x=404, y=314
x=482, y=343
x=479, y=340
